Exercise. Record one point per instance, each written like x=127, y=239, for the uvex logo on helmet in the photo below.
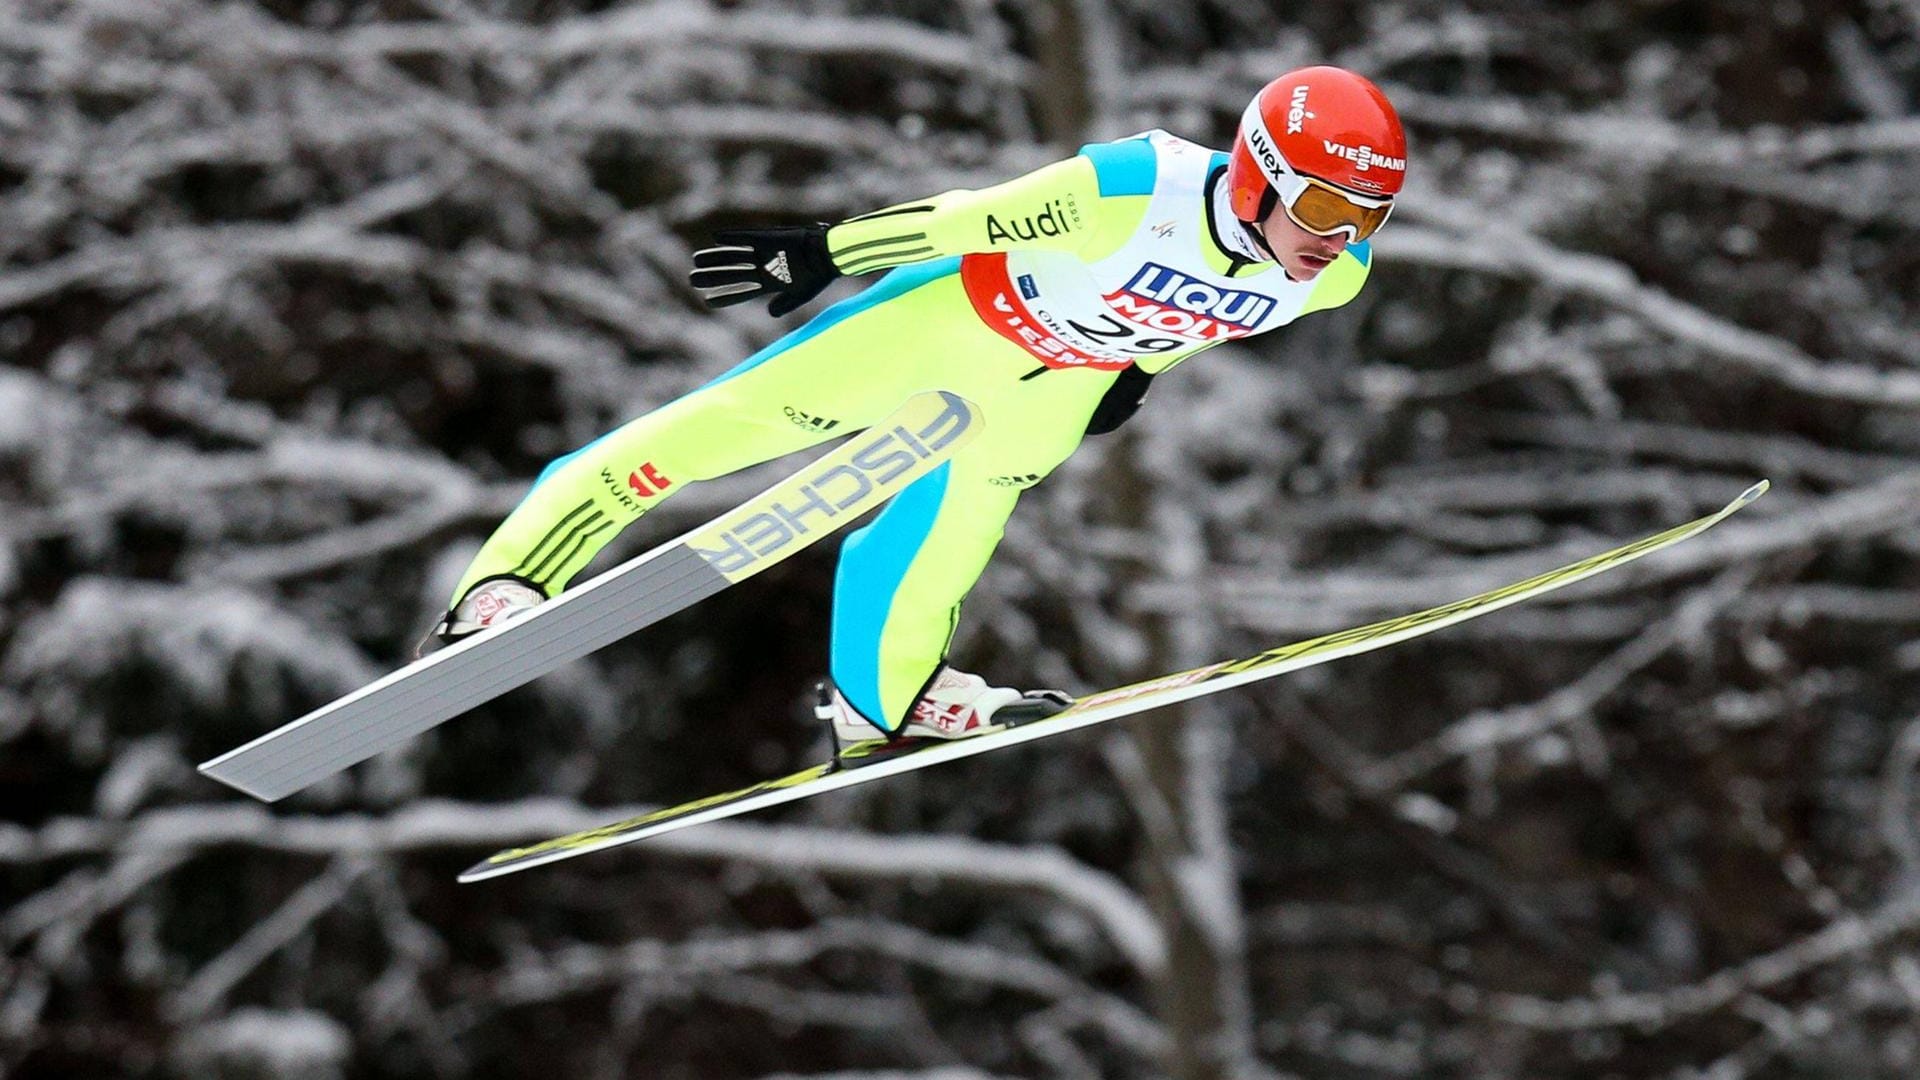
x=1263, y=148
x=1297, y=113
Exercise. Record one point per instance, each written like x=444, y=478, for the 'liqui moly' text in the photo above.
x=1169, y=301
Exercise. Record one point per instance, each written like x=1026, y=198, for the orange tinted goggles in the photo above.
x=1322, y=209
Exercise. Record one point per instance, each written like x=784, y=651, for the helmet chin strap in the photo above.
x=1260, y=239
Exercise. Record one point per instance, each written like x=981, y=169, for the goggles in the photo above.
x=1325, y=210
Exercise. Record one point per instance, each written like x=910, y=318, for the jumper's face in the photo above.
x=1302, y=254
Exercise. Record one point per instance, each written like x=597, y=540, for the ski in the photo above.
x=827, y=493
x=872, y=760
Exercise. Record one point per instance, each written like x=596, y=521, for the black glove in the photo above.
x=1122, y=400
x=788, y=262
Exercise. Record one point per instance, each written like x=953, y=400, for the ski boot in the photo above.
x=956, y=706
x=489, y=603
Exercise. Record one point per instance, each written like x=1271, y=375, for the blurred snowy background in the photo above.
x=296, y=297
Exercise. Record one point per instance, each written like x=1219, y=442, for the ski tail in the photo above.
x=833, y=490
x=1092, y=709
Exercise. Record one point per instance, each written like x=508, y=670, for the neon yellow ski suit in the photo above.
x=1026, y=298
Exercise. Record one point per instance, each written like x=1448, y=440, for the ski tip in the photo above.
x=214, y=769
x=490, y=867
x=1752, y=493
x=955, y=401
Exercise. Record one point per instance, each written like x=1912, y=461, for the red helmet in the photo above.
x=1323, y=122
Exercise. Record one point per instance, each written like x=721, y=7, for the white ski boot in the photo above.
x=956, y=706
x=489, y=603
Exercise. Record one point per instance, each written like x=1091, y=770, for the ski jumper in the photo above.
x=1027, y=298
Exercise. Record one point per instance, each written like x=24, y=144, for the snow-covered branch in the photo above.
x=428, y=825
